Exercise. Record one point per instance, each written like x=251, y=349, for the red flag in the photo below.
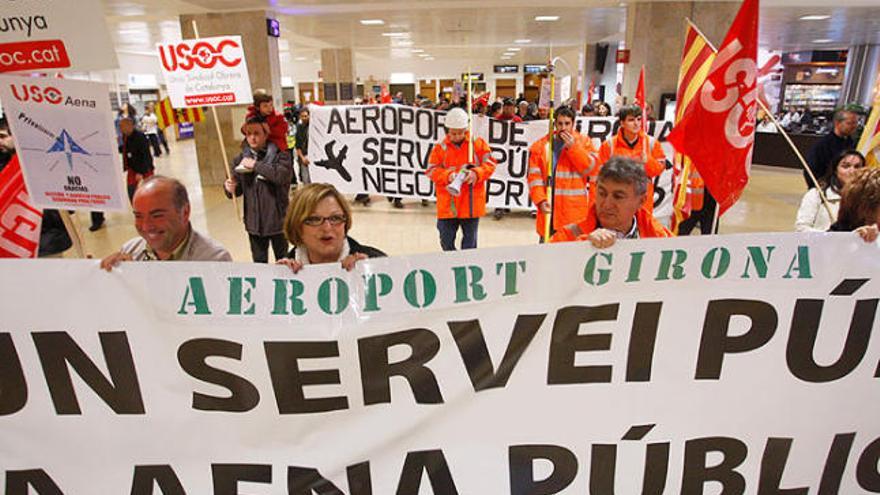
x=385, y=95
x=590, y=91
x=718, y=128
x=641, y=101
x=20, y=228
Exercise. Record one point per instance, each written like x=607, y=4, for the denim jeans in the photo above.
x=448, y=228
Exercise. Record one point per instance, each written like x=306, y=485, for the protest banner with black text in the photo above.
x=384, y=149
x=742, y=364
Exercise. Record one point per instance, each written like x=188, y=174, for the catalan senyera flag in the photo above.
x=688, y=187
x=168, y=115
x=869, y=144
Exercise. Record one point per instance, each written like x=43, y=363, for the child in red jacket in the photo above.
x=263, y=106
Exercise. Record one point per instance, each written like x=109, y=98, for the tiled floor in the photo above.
x=768, y=205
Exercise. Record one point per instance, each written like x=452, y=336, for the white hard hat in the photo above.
x=456, y=119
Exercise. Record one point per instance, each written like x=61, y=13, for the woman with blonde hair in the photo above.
x=317, y=224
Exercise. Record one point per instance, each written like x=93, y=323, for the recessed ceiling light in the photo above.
x=823, y=40
x=429, y=58
x=815, y=17
x=372, y=22
x=523, y=41
x=300, y=59
x=396, y=35
x=417, y=50
x=424, y=55
x=514, y=49
x=405, y=43
x=546, y=18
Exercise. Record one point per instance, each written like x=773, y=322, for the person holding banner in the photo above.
x=860, y=205
x=631, y=141
x=812, y=216
x=317, y=224
x=460, y=184
x=161, y=217
x=617, y=210
x=575, y=162
x=262, y=174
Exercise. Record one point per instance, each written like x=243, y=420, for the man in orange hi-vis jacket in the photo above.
x=632, y=142
x=460, y=184
x=575, y=162
x=617, y=208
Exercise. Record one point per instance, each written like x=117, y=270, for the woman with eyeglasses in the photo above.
x=317, y=224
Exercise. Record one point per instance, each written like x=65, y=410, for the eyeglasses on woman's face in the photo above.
x=317, y=221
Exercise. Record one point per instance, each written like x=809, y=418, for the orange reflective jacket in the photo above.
x=646, y=149
x=446, y=160
x=577, y=163
x=648, y=227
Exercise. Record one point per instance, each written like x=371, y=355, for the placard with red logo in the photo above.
x=65, y=142
x=43, y=35
x=206, y=72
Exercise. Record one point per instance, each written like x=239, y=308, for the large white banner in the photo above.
x=206, y=72
x=41, y=35
x=384, y=149
x=65, y=142
x=747, y=364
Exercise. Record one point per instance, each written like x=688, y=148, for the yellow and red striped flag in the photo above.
x=688, y=186
x=168, y=115
x=869, y=144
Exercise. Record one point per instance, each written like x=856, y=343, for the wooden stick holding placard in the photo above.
x=73, y=231
x=220, y=136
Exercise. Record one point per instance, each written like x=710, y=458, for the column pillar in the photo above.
x=655, y=37
x=862, y=71
x=337, y=67
x=264, y=70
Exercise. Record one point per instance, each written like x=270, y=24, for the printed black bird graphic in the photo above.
x=334, y=161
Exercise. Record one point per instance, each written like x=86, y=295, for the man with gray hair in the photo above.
x=837, y=141
x=161, y=217
x=617, y=209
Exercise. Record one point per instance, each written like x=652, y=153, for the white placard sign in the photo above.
x=206, y=72
x=384, y=149
x=43, y=35
x=65, y=141
x=704, y=365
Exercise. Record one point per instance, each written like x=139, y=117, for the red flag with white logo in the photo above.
x=385, y=95
x=641, y=101
x=717, y=130
x=19, y=220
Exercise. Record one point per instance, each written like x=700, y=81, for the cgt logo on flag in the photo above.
x=737, y=97
x=203, y=54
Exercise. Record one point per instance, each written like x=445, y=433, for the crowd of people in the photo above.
x=597, y=195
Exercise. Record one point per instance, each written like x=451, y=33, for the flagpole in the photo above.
x=470, y=108
x=74, y=233
x=548, y=217
x=800, y=157
x=794, y=148
x=220, y=138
